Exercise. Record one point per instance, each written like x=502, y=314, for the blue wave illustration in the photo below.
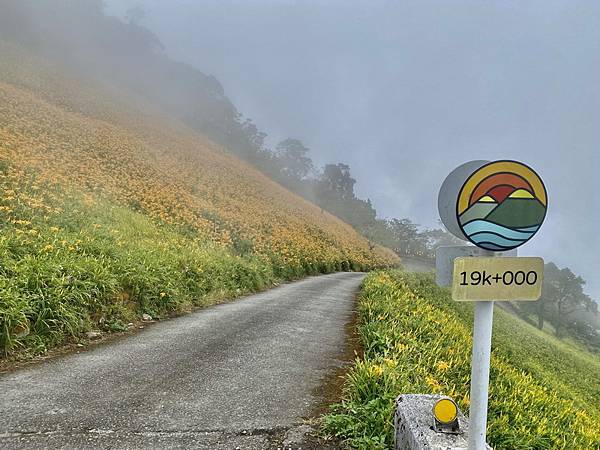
x=493, y=247
x=480, y=225
x=495, y=237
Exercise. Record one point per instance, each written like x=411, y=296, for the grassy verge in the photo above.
x=103, y=266
x=543, y=394
x=73, y=262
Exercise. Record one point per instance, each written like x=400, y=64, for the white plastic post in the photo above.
x=480, y=374
x=480, y=371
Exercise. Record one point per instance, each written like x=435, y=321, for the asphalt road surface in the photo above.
x=238, y=375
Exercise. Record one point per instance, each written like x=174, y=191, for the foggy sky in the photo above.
x=405, y=91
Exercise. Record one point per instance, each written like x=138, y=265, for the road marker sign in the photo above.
x=497, y=206
x=445, y=416
x=511, y=279
x=501, y=205
x=445, y=410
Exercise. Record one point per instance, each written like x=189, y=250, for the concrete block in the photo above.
x=414, y=422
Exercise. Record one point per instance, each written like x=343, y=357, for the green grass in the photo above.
x=103, y=266
x=75, y=262
x=560, y=364
x=543, y=393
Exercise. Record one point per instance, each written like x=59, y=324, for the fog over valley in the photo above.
x=405, y=91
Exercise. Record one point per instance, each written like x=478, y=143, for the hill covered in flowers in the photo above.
x=109, y=209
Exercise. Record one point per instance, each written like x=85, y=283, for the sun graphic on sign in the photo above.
x=501, y=205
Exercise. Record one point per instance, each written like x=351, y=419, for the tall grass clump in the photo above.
x=99, y=265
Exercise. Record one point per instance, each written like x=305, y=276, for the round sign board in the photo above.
x=496, y=205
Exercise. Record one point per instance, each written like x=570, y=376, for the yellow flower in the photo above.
x=466, y=401
x=390, y=362
x=433, y=384
x=443, y=365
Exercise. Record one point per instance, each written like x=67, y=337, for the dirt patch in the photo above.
x=331, y=390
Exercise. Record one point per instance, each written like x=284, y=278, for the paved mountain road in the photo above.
x=241, y=374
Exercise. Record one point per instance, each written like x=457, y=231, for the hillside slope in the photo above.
x=109, y=209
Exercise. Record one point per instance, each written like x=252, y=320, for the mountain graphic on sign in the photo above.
x=503, y=218
x=479, y=210
x=520, y=210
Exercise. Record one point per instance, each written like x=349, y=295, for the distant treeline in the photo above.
x=332, y=188
x=128, y=55
x=565, y=306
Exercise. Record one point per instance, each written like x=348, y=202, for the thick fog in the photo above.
x=405, y=91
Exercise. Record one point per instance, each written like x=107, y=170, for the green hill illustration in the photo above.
x=518, y=212
x=482, y=208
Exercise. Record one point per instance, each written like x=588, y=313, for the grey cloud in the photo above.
x=406, y=91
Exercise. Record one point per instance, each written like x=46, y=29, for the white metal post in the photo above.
x=480, y=373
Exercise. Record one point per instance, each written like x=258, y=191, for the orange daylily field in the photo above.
x=102, y=186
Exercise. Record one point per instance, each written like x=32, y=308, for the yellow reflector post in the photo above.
x=445, y=410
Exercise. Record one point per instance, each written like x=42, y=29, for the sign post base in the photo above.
x=480, y=373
